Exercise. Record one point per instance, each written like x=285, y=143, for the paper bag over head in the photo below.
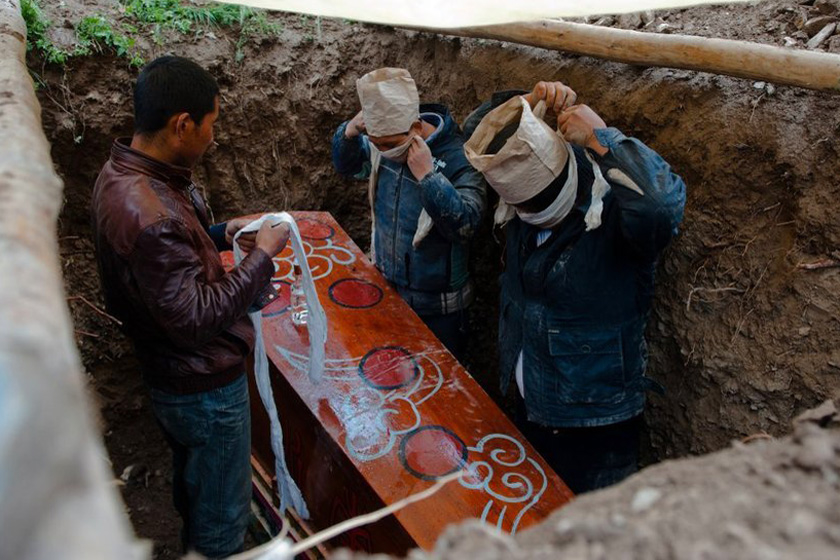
x=530, y=159
x=390, y=102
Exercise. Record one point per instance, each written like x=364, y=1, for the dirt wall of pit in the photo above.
x=741, y=338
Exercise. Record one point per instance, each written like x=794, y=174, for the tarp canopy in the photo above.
x=462, y=13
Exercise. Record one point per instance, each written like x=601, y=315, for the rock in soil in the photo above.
x=828, y=7
x=820, y=38
x=816, y=25
x=630, y=21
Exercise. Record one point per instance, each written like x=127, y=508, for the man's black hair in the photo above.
x=498, y=142
x=549, y=194
x=170, y=85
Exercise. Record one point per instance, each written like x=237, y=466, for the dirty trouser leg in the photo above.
x=210, y=434
x=585, y=458
x=452, y=329
x=179, y=489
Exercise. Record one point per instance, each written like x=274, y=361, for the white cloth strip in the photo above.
x=290, y=494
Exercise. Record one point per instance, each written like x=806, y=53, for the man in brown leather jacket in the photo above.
x=163, y=277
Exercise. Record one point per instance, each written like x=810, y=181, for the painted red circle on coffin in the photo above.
x=284, y=299
x=430, y=452
x=388, y=367
x=313, y=229
x=355, y=294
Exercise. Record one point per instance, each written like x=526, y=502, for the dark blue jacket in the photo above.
x=577, y=305
x=432, y=277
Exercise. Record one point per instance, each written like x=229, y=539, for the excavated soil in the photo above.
x=768, y=500
x=742, y=336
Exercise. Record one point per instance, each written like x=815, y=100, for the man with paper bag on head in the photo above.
x=426, y=199
x=586, y=212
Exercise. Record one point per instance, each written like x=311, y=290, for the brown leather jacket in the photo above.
x=163, y=277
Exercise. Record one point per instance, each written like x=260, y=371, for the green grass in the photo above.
x=183, y=17
x=314, y=25
x=93, y=34
x=189, y=18
x=96, y=34
x=36, y=38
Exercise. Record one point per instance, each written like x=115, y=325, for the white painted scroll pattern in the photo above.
x=511, y=488
x=322, y=256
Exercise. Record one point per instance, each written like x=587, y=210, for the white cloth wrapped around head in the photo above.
x=528, y=162
x=390, y=102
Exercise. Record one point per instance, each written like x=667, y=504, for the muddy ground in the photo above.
x=742, y=337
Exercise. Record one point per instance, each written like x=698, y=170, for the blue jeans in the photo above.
x=210, y=437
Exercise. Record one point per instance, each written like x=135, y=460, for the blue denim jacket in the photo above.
x=433, y=276
x=577, y=305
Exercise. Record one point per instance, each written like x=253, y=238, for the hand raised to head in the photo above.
x=557, y=96
x=419, y=158
x=356, y=126
x=578, y=123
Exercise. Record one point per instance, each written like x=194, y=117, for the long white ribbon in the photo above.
x=290, y=494
x=600, y=188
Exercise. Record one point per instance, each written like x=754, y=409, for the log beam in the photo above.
x=741, y=59
x=56, y=496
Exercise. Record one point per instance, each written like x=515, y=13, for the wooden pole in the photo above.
x=56, y=499
x=742, y=59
